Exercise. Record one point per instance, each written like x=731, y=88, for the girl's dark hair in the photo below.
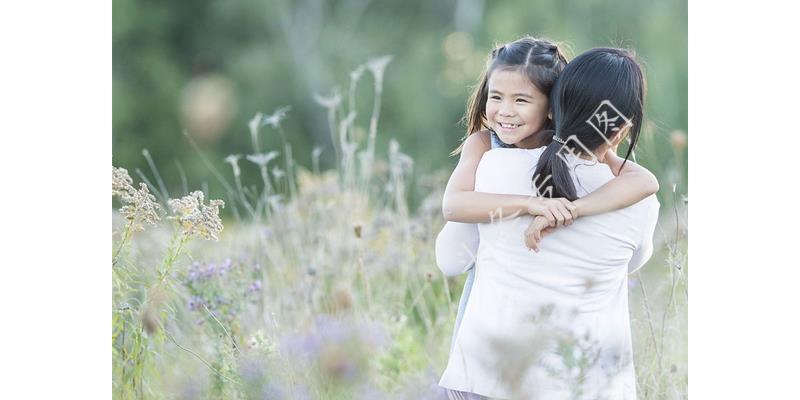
x=601, y=80
x=539, y=59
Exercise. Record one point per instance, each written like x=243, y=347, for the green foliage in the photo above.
x=255, y=56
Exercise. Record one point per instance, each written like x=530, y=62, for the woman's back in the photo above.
x=574, y=287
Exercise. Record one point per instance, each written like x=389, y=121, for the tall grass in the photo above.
x=324, y=285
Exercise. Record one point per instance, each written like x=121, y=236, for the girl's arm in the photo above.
x=457, y=243
x=462, y=204
x=632, y=184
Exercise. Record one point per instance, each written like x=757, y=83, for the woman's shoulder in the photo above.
x=505, y=157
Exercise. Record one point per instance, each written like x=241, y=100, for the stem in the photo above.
x=373, y=130
x=332, y=127
x=233, y=341
x=162, y=187
x=171, y=257
x=649, y=316
x=208, y=163
x=242, y=198
x=287, y=150
x=198, y=357
x=184, y=184
x=125, y=236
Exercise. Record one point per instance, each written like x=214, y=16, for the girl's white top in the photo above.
x=552, y=324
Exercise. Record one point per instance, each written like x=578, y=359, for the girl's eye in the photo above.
x=494, y=97
x=522, y=101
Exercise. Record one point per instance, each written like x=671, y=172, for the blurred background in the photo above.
x=207, y=67
x=324, y=283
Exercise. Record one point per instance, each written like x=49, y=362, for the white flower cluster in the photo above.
x=139, y=205
x=196, y=218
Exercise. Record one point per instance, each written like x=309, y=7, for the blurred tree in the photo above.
x=209, y=66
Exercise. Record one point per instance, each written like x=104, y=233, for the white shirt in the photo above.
x=552, y=324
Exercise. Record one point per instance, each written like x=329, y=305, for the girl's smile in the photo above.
x=515, y=108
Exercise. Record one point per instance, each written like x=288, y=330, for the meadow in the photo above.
x=322, y=284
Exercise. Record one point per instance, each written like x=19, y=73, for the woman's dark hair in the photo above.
x=539, y=59
x=594, y=89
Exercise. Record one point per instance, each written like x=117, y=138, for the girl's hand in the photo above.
x=537, y=229
x=557, y=212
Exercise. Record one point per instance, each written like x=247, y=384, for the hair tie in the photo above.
x=559, y=140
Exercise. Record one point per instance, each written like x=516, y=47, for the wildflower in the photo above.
x=275, y=119
x=196, y=218
x=194, y=272
x=262, y=159
x=356, y=73
x=140, y=206
x=254, y=124
x=233, y=160
x=254, y=287
x=121, y=182
x=278, y=173
x=399, y=161
x=195, y=302
x=377, y=66
x=329, y=102
x=210, y=271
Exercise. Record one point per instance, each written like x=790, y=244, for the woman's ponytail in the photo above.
x=552, y=177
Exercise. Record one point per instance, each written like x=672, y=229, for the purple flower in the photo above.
x=210, y=271
x=195, y=302
x=331, y=329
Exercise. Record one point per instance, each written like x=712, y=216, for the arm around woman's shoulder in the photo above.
x=463, y=177
x=461, y=203
x=632, y=183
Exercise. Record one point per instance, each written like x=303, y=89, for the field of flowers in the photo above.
x=322, y=284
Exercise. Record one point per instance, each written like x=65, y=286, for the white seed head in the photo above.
x=378, y=65
x=196, y=218
x=262, y=159
x=275, y=119
x=233, y=160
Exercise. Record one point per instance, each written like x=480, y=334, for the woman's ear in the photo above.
x=618, y=137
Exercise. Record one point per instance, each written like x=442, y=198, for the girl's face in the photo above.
x=515, y=108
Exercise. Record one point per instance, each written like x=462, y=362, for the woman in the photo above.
x=554, y=324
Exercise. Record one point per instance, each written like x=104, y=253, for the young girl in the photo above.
x=510, y=108
x=572, y=295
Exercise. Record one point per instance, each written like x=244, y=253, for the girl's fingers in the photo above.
x=571, y=207
x=551, y=218
x=559, y=216
x=567, y=215
x=529, y=241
